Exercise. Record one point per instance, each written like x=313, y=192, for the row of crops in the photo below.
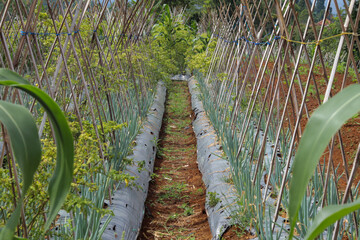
x=263, y=67
x=270, y=69
x=97, y=61
x=100, y=61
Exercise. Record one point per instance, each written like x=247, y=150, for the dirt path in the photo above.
x=175, y=204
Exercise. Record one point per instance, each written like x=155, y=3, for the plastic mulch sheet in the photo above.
x=128, y=202
x=216, y=169
x=213, y=168
x=180, y=77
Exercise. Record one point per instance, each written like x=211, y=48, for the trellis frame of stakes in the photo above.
x=269, y=70
x=83, y=54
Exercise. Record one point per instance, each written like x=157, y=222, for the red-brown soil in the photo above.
x=350, y=132
x=175, y=207
x=235, y=232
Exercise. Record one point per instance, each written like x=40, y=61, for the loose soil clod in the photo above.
x=176, y=199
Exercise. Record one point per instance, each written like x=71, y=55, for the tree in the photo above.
x=300, y=5
x=319, y=10
x=177, y=3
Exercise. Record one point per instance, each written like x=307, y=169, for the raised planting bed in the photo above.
x=128, y=202
x=215, y=169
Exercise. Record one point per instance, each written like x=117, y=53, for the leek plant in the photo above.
x=87, y=219
x=254, y=202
